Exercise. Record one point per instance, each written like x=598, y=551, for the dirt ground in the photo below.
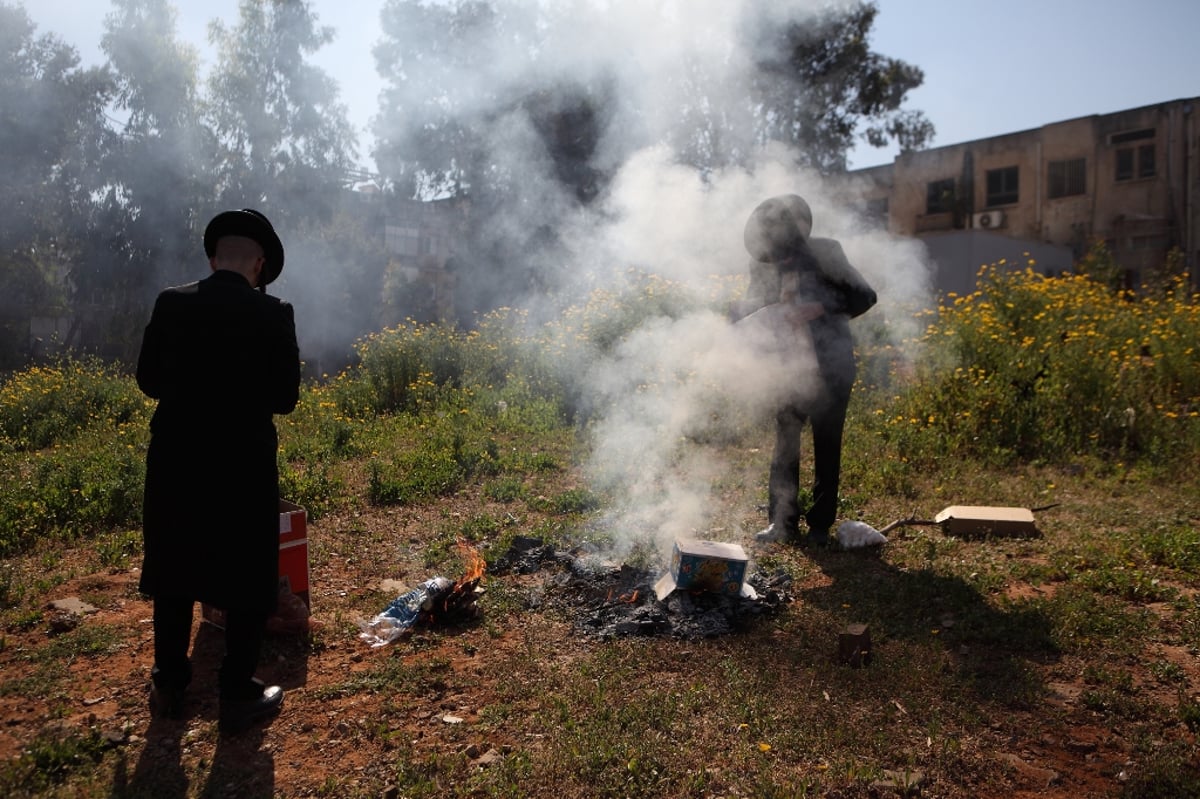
x=326, y=740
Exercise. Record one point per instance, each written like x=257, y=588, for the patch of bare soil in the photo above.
x=331, y=738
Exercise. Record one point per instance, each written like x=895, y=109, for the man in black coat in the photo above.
x=819, y=292
x=221, y=358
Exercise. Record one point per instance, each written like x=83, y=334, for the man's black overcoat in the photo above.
x=825, y=276
x=221, y=358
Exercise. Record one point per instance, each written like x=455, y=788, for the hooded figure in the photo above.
x=818, y=292
x=221, y=358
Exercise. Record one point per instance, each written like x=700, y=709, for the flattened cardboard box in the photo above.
x=986, y=520
x=293, y=559
x=704, y=566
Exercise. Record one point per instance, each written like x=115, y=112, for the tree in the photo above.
x=471, y=110
x=52, y=133
x=816, y=81
x=285, y=142
x=483, y=99
x=438, y=104
x=159, y=171
x=154, y=178
x=455, y=71
x=285, y=146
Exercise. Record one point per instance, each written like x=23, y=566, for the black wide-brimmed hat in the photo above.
x=253, y=225
x=777, y=227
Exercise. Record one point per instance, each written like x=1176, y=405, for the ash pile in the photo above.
x=608, y=600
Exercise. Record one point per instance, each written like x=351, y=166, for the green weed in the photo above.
x=116, y=550
x=1171, y=772
x=50, y=760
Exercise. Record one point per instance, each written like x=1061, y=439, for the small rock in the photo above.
x=905, y=783
x=114, y=737
x=72, y=604
x=489, y=758
x=63, y=621
x=1042, y=777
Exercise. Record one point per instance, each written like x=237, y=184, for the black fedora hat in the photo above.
x=777, y=227
x=253, y=225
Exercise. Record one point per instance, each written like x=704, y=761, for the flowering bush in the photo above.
x=47, y=405
x=1039, y=367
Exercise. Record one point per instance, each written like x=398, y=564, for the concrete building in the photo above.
x=1129, y=178
x=421, y=239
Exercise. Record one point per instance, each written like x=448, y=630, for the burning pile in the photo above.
x=437, y=598
x=609, y=600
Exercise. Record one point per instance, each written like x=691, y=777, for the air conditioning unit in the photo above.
x=989, y=220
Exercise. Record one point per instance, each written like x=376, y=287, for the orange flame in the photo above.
x=473, y=562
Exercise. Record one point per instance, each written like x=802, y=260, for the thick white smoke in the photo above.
x=667, y=384
x=671, y=380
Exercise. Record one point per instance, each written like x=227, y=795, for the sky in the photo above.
x=990, y=67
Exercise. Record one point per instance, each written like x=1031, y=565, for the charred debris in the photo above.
x=607, y=600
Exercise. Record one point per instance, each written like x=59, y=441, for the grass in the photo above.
x=981, y=647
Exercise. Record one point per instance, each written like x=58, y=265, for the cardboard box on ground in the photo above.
x=294, y=613
x=705, y=566
x=980, y=520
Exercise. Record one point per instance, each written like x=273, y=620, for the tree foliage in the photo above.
x=512, y=105
x=284, y=139
x=157, y=171
x=817, y=81
x=457, y=75
x=108, y=175
x=52, y=134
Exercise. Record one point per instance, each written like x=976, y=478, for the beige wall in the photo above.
x=1142, y=218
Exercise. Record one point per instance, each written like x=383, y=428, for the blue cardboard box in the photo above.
x=704, y=566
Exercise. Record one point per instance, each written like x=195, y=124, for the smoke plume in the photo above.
x=672, y=383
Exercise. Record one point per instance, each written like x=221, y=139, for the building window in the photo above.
x=401, y=240
x=1134, y=161
x=1148, y=242
x=1066, y=178
x=1131, y=136
x=875, y=210
x=939, y=196
x=1002, y=186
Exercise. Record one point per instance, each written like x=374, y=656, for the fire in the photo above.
x=474, y=563
x=460, y=597
x=627, y=598
x=463, y=593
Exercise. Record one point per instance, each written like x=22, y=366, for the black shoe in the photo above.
x=239, y=714
x=817, y=539
x=166, y=703
x=166, y=694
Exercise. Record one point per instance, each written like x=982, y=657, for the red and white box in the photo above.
x=293, y=563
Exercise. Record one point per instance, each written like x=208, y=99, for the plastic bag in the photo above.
x=403, y=612
x=855, y=534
